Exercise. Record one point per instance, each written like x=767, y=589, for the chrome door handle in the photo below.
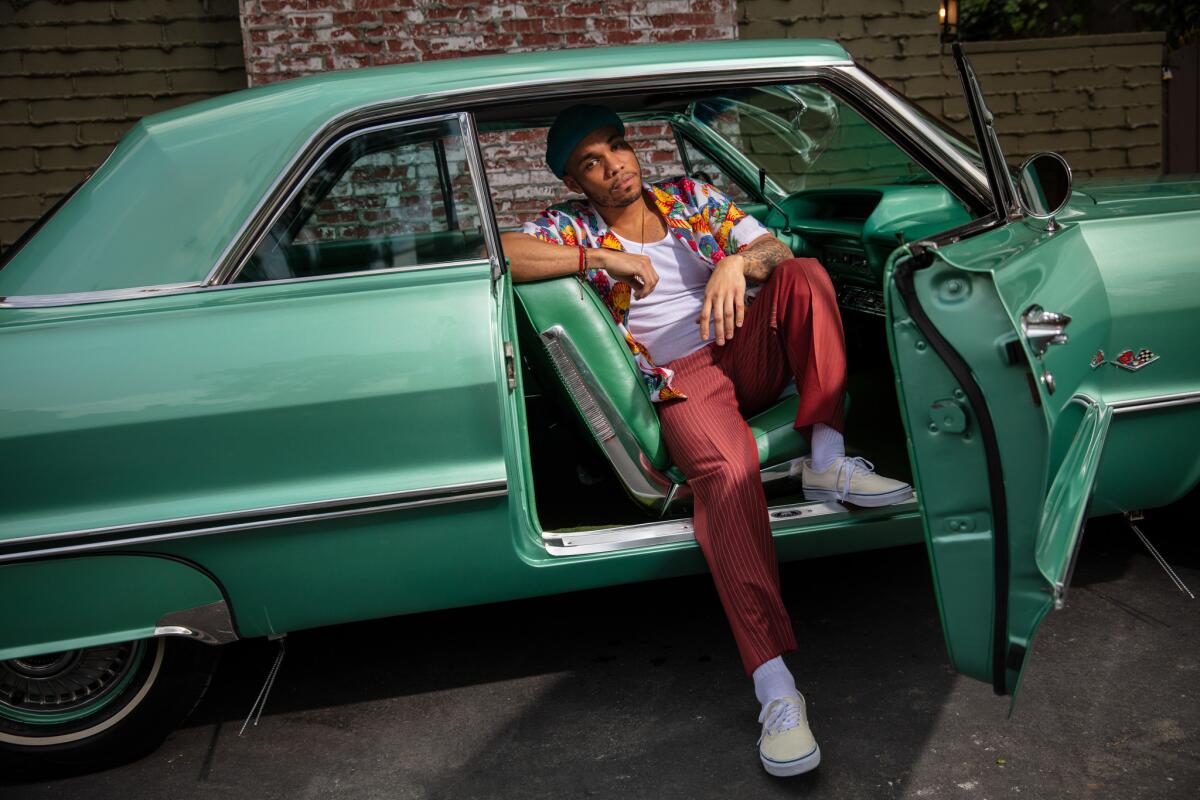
x=1043, y=328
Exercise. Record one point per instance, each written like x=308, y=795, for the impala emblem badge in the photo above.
x=1135, y=360
x=1098, y=359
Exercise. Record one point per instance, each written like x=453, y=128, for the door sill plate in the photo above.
x=648, y=534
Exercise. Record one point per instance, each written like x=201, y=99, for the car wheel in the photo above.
x=99, y=706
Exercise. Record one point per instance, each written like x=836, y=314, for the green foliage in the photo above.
x=1181, y=20
x=982, y=20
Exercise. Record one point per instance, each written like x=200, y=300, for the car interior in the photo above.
x=824, y=182
x=810, y=167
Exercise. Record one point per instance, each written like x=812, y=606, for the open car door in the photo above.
x=1004, y=466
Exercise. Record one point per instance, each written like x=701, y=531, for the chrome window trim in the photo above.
x=483, y=193
x=226, y=522
x=615, y=78
x=700, y=74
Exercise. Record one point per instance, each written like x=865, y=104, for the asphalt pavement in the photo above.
x=637, y=692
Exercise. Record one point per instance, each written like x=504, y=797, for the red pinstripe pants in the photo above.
x=792, y=329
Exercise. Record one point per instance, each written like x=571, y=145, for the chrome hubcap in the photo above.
x=72, y=680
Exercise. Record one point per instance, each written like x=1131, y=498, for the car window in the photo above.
x=806, y=138
x=396, y=197
x=702, y=166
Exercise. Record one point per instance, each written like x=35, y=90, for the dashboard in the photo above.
x=852, y=231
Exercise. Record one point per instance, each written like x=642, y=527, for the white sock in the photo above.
x=827, y=447
x=772, y=680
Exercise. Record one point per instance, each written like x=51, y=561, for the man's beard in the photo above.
x=633, y=198
x=608, y=201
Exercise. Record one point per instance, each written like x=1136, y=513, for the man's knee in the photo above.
x=805, y=277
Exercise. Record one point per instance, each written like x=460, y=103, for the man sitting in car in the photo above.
x=672, y=262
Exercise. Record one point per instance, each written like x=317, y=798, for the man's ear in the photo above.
x=572, y=184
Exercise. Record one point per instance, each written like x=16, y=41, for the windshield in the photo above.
x=956, y=140
x=804, y=137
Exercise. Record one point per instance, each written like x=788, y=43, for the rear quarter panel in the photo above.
x=65, y=603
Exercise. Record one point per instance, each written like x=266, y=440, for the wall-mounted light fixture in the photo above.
x=948, y=18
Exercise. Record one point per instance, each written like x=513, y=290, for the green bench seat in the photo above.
x=578, y=352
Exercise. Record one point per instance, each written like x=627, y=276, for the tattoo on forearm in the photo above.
x=762, y=256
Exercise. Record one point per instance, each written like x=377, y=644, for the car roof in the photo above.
x=175, y=192
x=400, y=82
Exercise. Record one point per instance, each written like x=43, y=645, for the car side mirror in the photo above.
x=1044, y=186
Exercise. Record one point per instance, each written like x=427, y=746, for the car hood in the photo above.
x=1136, y=196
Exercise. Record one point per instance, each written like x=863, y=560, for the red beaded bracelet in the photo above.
x=582, y=259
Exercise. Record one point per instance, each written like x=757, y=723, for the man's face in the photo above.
x=605, y=169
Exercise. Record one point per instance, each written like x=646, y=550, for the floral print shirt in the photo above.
x=698, y=214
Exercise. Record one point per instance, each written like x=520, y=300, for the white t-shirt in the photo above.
x=664, y=322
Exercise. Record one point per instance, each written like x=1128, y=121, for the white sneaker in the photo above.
x=786, y=746
x=852, y=480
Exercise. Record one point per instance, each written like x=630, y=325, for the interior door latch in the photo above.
x=1043, y=328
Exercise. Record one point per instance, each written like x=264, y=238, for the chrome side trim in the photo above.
x=210, y=624
x=188, y=527
x=83, y=298
x=107, y=295
x=1152, y=402
x=649, y=534
x=1135, y=405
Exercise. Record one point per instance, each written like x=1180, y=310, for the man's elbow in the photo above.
x=511, y=243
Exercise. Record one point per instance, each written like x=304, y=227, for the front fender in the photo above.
x=68, y=603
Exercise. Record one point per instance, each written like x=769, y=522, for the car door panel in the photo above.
x=963, y=407
x=247, y=398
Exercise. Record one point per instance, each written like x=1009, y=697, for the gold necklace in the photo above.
x=642, y=249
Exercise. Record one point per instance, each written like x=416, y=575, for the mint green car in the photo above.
x=266, y=370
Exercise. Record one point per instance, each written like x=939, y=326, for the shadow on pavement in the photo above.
x=637, y=691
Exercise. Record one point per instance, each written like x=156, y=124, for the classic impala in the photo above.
x=266, y=370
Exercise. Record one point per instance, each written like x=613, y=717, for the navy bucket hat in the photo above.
x=571, y=127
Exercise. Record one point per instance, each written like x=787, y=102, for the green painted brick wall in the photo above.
x=75, y=75
x=1095, y=99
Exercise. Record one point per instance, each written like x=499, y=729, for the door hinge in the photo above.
x=510, y=369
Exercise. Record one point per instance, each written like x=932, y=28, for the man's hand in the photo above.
x=634, y=269
x=535, y=260
x=724, y=299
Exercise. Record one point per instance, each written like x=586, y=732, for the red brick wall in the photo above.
x=286, y=38
x=290, y=38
